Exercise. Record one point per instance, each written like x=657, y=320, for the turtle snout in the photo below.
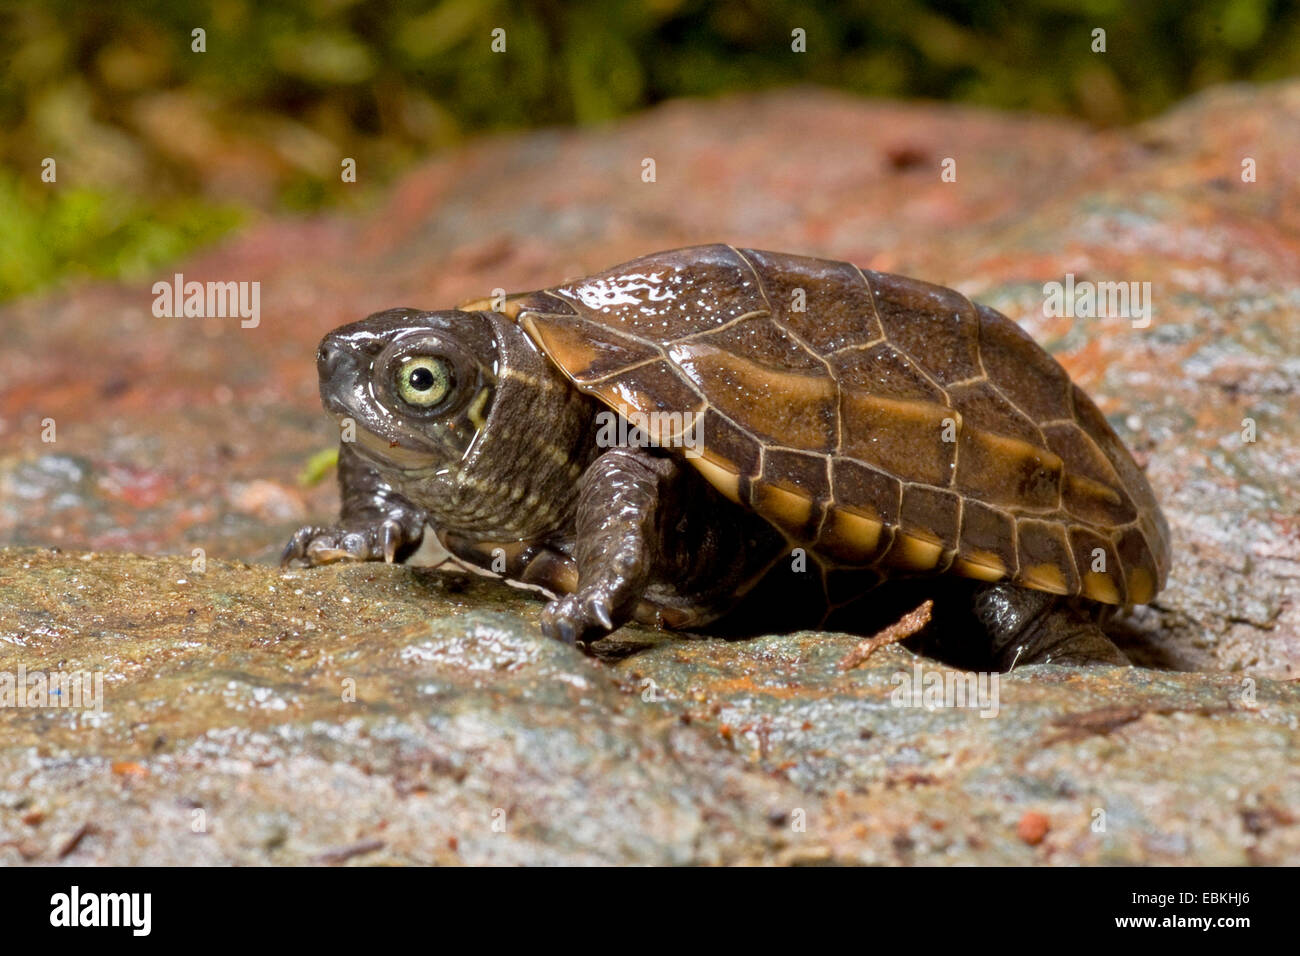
x=340, y=375
x=331, y=357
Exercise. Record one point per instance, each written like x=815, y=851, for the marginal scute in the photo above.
x=988, y=536
x=720, y=476
x=1046, y=561
x=1095, y=557
x=510, y=308
x=793, y=492
x=860, y=527
x=725, y=441
x=851, y=537
x=932, y=512
x=981, y=565
x=1045, y=577
x=1101, y=587
x=914, y=551
x=1142, y=586
x=1139, y=564
x=789, y=508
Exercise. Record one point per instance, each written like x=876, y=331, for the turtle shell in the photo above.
x=878, y=421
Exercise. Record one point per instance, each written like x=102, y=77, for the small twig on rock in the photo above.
x=73, y=840
x=1103, y=720
x=904, y=627
x=344, y=853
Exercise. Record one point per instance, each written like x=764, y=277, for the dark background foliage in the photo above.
x=160, y=148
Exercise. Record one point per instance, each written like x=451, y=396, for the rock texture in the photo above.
x=380, y=714
x=227, y=735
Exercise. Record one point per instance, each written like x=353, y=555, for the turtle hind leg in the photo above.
x=1033, y=627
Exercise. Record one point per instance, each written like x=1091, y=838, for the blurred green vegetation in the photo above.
x=159, y=147
x=47, y=235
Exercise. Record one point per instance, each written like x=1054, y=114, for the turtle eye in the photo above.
x=423, y=381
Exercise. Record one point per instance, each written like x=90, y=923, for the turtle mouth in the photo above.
x=393, y=451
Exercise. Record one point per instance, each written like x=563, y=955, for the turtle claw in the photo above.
x=296, y=548
x=578, y=617
x=289, y=553
x=392, y=537
x=315, y=546
x=565, y=632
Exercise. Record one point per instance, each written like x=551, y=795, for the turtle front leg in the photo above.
x=375, y=522
x=1033, y=627
x=615, y=549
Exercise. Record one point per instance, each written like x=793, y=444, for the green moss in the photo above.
x=49, y=233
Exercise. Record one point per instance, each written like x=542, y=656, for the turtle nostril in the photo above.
x=328, y=357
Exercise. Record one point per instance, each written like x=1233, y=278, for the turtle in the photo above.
x=730, y=440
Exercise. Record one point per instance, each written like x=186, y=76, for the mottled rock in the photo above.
x=381, y=714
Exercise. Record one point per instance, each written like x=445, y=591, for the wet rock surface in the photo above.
x=227, y=735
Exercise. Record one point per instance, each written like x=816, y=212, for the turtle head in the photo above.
x=464, y=416
x=414, y=386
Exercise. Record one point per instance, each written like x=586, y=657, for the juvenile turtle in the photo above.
x=726, y=438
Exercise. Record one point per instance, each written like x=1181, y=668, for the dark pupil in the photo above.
x=421, y=379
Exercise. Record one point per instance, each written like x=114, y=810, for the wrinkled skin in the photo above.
x=462, y=429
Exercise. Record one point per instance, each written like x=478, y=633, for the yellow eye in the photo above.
x=423, y=381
